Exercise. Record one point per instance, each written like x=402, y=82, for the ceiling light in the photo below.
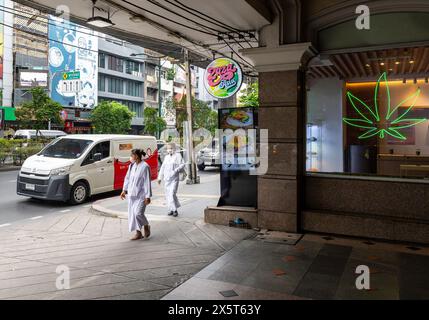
x=98, y=21
x=411, y=61
x=367, y=65
x=397, y=62
x=381, y=63
x=390, y=69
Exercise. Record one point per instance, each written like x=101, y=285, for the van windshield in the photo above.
x=65, y=148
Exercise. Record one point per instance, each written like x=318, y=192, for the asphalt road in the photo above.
x=15, y=208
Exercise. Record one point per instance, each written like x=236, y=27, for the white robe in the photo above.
x=170, y=172
x=137, y=183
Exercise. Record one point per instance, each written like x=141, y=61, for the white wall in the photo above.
x=324, y=106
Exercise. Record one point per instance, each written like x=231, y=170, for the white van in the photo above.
x=73, y=167
x=31, y=134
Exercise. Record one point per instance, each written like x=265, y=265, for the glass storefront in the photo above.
x=367, y=114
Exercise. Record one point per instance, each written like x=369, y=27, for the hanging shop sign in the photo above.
x=223, y=78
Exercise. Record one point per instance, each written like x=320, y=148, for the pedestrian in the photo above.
x=137, y=188
x=171, y=168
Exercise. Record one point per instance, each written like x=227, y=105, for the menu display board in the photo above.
x=238, y=140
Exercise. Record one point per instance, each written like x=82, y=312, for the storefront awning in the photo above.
x=9, y=113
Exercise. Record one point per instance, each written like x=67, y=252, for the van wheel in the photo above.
x=201, y=167
x=79, y=193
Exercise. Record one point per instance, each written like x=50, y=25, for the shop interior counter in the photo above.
x=402, y=165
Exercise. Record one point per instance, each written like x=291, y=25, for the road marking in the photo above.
x=4, y=225
x=66, y=210
x=36, y=217
x=87, y=206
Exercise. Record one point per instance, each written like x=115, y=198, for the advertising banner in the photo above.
x=73, y=51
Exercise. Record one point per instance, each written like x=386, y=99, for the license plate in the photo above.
x=30, y=186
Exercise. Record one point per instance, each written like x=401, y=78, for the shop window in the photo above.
x=371, y=125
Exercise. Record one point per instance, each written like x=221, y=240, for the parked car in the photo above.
x=29, y=134
x=209, y=156
x=73, y=167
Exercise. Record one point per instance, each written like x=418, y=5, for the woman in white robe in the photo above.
x=170, y=170
x=137, y=188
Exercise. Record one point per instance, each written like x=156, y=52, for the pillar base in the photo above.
x=222, y=215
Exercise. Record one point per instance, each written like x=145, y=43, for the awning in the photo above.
x=9, y=113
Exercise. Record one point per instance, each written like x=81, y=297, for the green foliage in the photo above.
x=16, y=151
x=39, y=111
x=153, y=123
x=171, y=73
x=202, y=115
x=250, y=96
x=111, y=117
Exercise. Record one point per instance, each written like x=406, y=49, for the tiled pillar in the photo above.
x=281, y=111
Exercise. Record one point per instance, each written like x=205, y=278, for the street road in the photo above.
x=15, y=208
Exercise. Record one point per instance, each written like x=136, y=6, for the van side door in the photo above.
x=100, y=170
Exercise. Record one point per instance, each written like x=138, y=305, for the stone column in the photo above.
x=281, y=111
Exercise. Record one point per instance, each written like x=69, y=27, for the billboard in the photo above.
x=31, y=79
x=73, y=50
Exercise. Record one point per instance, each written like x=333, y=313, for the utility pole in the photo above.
x=159, y=95
x=192, y=168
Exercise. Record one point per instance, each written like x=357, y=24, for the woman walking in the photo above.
x=138, y=189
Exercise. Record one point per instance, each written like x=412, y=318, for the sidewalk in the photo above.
x=188, y=259
x=103, y=262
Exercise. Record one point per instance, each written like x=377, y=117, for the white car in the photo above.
x=32, y=134
x=73, y=167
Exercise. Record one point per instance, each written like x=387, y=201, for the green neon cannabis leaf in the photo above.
x=379, y=122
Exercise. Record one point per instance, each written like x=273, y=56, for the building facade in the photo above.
x=121, y=78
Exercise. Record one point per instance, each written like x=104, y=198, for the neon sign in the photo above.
x=379, y=122
x=223, y=78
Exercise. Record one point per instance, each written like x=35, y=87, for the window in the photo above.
x=102, y=60
x=371, y=126
x=101, y=83
x=115, y=64
x=132, y=67
x=102, y=147
x=115, y=85
x=134, y=88
x=66, y=148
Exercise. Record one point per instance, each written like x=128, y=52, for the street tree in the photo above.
x=39, y=111
x=202, y=115
x=111, y=117
x=250, y=96
x=153, y=123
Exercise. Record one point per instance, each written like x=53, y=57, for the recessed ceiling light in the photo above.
x=390, y=69
x=381, y=63
x=367, y=65
x=397, y=62
x=411, y=61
